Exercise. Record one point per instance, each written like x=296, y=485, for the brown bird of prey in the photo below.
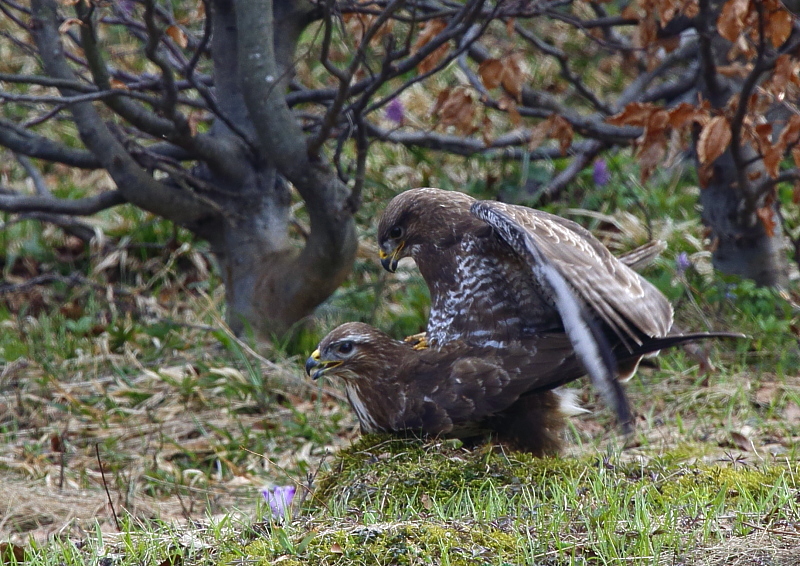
x=458, y=390
x=500, y=273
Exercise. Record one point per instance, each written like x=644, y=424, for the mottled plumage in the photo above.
x=456, y=389
x=500, y=273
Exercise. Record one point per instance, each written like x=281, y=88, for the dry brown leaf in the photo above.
x=510, y=106
x=11, y=553
x=510, y=26
x=731, y=19
x=783, y=73
x=455, y=107
x=651, y=155
x=178, y=36
x=714, y=140
x=538, y=134
x=647, y=32
x=767, y=217
x=486, y=129
x=779, y=27
x=685, y=114
x=430, y=30
x=68, y=23
x=772, y=160
x=491, y=71
x=741, y=441
x=790, y=135
x=511, y=77
x=561, y=130
x=736, y=70
x=705, y=174
x=634, y=114
x=763, y=135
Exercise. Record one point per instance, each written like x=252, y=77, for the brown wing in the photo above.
x=626, y=302
x=468, y=384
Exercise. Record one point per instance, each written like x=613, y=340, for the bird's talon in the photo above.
x=417, y=341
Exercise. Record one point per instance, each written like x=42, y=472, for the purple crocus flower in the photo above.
x=279, y=498
x=682, y=263
x=395, y=111
x=600, y=173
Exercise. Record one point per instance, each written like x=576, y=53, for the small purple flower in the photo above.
x=395, y=111
x=600, y=173
x=126, y=6
x=279, y=499
x=682, y=263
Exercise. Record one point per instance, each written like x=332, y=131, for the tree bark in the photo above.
x=236, y=196
x=741, y=244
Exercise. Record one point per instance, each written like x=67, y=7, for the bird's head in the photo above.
x=354, y=351
x=417, y=217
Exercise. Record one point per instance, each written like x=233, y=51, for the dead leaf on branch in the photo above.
x=510, y=106
x=650, y=155
x=430, y=30
x=68, y=23
x=491, y=71
x=634, y=114
x=506, y=72
x=731, y=21
x=455, y=107
x=778, y=26
x=767, y=217
x=555, y=127
x=357, y=26
x=512, y=78
x=714, y=140
x=668, y=9
x=772, y=160
x=685, y=114
x=178, y=36
x=784, y=74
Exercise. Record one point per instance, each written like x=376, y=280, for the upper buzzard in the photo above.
x=499, y=273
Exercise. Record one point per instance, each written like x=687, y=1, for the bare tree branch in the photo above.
x=134, y=183
x=74, y=207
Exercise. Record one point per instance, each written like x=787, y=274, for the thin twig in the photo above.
x=105, y=485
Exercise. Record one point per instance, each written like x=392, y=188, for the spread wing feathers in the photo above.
x=627, y=303
x=639, y=258
x=480, y=383
x=591, y=347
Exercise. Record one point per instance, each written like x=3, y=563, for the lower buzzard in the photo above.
x=458, y=390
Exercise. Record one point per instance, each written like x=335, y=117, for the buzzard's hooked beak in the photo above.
x=389, y=260
x=322, y=366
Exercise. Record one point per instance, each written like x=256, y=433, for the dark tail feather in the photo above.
x=655, y=344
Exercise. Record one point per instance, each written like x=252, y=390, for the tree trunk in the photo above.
x=741, y=244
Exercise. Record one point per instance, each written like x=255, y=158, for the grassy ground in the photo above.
x=134, y=429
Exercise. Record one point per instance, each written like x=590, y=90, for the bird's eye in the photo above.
x=396, y=232
x=345, y=347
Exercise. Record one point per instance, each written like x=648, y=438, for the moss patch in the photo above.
x=400, y=543
x=381, y=466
